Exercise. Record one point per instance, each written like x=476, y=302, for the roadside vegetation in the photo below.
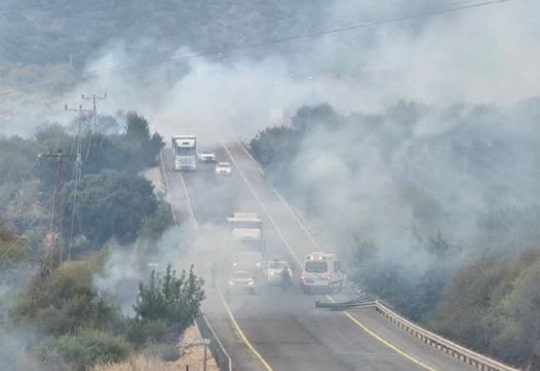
x=59, y=317
x=438, y=224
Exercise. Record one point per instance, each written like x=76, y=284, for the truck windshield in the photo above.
x=185, y=151
x=316, y=267
x=247, y=224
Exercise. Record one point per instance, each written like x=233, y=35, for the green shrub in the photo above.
x=12, y=247
x=83, y=350
x=176, y=300
x=140, y=332
x=165, y=352
x=64, y=301
x=154, y=227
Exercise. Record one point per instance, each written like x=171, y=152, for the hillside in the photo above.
x=52, y=32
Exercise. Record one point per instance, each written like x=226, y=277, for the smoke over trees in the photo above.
x=436, y=207
x=59, y=316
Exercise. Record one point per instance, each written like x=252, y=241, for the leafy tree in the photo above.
x=137, y=138
x=142, y=332
x=519, y=330
x=53, y=139
x=12, y=248
x=157, y=224
x=275, y=146
x=137, y=130
x=17, y=156
x=309, y=119
x=492, y=306
x=102, y=152
x=415, y=292
x=174, y=299
x=109, y=204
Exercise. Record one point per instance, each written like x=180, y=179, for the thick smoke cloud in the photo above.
x=485, y=55
x=445, y=59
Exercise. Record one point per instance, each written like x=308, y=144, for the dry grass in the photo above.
x=192, y=355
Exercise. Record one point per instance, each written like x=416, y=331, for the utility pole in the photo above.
x=55, y=249
x=78, y=167
x=94, y=98
x=78, y=160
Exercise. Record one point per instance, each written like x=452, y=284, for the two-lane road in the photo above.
x=284, y=327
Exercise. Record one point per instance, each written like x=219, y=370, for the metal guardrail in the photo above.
x=217, y=349
x=477, y=360
x=219, y=353
x=346, y=305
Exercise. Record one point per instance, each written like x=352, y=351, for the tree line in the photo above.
x=59, y=318
x=397, y=195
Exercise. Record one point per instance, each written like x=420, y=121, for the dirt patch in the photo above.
x=193, y=352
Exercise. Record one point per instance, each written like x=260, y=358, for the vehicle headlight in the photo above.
x=258, y=265
x=231, y=283
x=251, y=283
x=271, y=273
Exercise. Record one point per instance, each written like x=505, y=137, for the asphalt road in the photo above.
x=285, y=328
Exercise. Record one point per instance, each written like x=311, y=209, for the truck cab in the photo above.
x=246, y=244
x=184, y=152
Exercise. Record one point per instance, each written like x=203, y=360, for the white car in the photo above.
x=241, y=281
x=223, y=168
x=207, y=156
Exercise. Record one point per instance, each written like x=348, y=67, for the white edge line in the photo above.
x=166, y=180
x=262, y=206
x=310, y=236
x=219, y=341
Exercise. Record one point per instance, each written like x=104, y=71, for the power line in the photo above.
x=313, y=35
x=77, y=170
x=94, y=98
x=78, y=161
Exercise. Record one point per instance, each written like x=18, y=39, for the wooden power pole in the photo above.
x=53, y=256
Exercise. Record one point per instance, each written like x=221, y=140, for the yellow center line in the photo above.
x=347, y=314
x=291, y=250
x=241, y=333
x=227, y=307
x=383, y=341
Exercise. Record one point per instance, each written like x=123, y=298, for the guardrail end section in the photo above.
x=221, y=356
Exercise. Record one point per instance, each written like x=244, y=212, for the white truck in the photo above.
x=184, y=152
x=247, y=242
